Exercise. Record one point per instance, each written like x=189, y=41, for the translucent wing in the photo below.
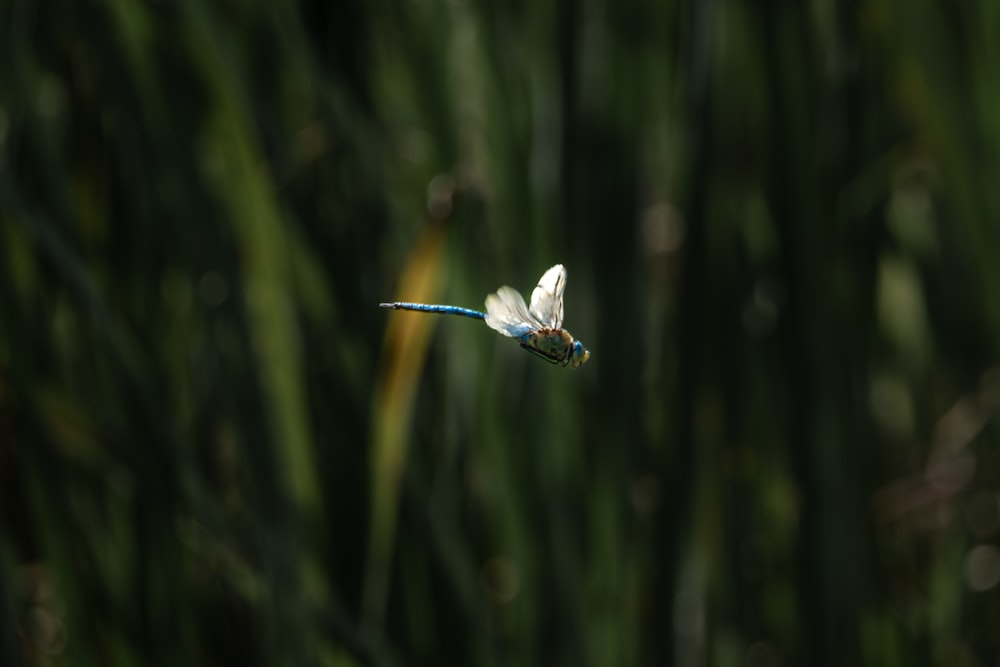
x=547, y=298
x=507, y=313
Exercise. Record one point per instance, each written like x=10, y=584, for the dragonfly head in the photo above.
x=579, y=355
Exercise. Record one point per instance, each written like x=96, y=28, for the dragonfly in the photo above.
x=538, y=327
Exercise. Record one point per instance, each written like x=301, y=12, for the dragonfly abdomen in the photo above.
x=435, y=308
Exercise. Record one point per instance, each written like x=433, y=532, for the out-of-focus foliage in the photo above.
x=781, y=222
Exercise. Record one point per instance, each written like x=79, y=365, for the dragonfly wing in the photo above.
x=507, y=313
x=547, y=298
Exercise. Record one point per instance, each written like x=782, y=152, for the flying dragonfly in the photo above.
x=537, y=328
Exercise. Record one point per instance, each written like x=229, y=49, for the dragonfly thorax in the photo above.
x=556, y=346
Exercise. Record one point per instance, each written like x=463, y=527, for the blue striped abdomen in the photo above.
x=434, y=308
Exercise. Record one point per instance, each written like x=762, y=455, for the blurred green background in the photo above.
x=781, y=223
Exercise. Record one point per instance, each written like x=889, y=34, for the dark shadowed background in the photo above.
x=781, y=222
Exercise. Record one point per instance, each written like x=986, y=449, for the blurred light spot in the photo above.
x=989, y=389
x=910, y=214
x=982, y=514
x=752, y=560
x=309, y=144
x=950, y=475
x=213, y=289
x=51, y=96
x=689, y=611
x=901, y=497
x=176, y=291
x=982, y=568
x=760, y=314
x=45, y=630
x=901, y=308
x=190, y=533
x=958, y=426
x=120, y=480
x=211, y=162
x=891, y=404
x=500, y=579
x=441, y=196
x=415, y=147
x=662, y=230
x=935, y=516
x=955, y=654
x=41, y=623
x=645, y=495
x=478, y=481
x=762, y=654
